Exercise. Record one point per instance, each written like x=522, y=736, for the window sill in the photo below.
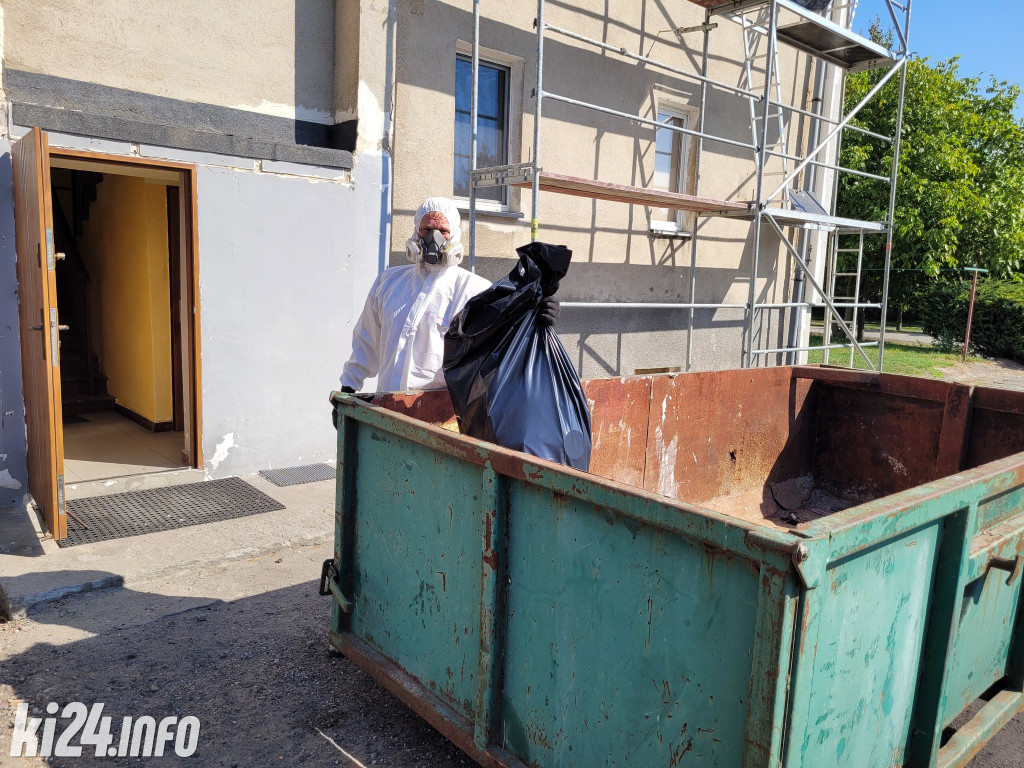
x=670, y=234
x=464, y=212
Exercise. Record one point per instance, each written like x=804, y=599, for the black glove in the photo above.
x=549, y=310
x=334, y=411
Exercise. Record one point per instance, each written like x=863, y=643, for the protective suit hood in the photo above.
x=447, y=208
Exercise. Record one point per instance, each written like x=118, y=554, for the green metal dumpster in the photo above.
x=793, y=566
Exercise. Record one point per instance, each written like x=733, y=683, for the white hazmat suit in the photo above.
x=400, y=334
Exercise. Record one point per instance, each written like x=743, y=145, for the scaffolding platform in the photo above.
x=620, y=193
x=812, y=33
x=791, y=218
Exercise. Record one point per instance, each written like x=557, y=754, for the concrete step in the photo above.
x=35, y=571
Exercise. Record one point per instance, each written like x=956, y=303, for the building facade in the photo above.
x=209, y=176
x=623, y=254
x=222, y=183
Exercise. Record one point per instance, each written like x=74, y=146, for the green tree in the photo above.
x=960, y=188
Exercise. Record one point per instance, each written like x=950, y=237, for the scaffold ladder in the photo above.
x=754, y=34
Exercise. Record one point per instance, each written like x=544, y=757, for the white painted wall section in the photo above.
x=285, y=263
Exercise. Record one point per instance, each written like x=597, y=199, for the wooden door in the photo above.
x=40, y=327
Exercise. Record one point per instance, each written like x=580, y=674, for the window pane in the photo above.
x=463, y=84
x=668, y=163
x=492, y=129
x=662, y=171
x=663, y=138
x=462, y=172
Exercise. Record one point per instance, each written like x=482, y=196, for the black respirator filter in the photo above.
x=432, y=247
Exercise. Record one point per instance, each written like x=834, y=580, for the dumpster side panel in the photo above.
x=872, y=444
x=860, y=655
x=417, y=567
x=997, y=426
x=619, y=415
x=983, y=640
x=720, y=433
x=626, y=645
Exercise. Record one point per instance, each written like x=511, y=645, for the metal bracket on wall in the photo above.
x=504, y=175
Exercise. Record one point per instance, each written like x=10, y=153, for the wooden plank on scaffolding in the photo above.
x=620, y=193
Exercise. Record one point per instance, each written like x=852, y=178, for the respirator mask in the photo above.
x=434, y=249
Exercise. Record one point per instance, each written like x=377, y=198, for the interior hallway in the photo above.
x=106, y=444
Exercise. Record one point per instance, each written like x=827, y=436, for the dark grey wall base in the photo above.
x=142, y=421
x=72, y=106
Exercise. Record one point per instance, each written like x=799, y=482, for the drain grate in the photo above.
x=310, y=473
x=163, y=509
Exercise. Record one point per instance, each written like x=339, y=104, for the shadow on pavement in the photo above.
x=257, y=672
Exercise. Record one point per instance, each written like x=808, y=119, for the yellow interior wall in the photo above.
x=124, y=246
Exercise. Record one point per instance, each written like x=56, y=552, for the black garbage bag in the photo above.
x=510, y=379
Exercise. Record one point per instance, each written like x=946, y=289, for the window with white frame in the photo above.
x=672, y=172
x=492, y=127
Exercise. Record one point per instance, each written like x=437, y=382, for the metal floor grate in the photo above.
x=310, y=473
x=163, y=509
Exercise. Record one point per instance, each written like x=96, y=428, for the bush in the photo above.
x=998, y=326
x=943, y=309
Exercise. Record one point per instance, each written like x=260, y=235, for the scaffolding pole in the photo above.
x=696, y=183
x=759, y=211
x=535, y=205
x=473, y=135
x=897, y=142
x=752, y=314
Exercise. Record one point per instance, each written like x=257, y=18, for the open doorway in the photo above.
x=123, y=277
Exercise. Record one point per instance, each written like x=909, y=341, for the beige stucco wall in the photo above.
x=615, y=256
x=270, y=56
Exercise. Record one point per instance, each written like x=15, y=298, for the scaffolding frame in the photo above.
x=826, y=38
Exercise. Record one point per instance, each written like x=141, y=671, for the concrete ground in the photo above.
x=1001, y=374
x=222, y=622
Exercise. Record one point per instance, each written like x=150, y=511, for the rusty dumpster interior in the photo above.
x=780, y=446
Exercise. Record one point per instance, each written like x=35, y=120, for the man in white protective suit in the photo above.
x=400, y=334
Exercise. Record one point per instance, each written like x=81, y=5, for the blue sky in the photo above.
x=988, y=35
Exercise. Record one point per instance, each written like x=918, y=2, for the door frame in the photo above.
x=188, y=212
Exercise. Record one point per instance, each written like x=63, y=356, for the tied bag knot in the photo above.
x=509, y=377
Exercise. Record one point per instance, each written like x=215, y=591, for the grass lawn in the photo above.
x=906, y=359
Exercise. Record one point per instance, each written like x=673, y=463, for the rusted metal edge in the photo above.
x=969, y=740
x=703, y=526
x=1003, y=400
x=874, y=522
x=420, y=700
x=887, y=383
